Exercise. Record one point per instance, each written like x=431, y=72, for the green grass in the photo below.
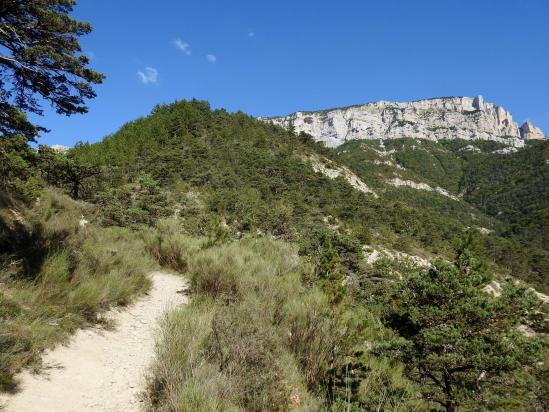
x=236, y=346
x=78, y=271
x=262, y=333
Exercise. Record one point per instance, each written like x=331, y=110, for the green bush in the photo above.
x=170, y=246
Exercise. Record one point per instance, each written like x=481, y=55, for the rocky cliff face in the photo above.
x=434, y=119
x=530, y=132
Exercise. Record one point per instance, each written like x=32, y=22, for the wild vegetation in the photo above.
x=456, y=339
x=58, y=273
x=510, y=202
x=266, y=331
x=286, y=309
x=262, y=333
x=307, y=294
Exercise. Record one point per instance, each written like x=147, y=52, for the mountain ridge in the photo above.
x=439, y=118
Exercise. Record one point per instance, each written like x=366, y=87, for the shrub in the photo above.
x=169, y=246
x=232, y=346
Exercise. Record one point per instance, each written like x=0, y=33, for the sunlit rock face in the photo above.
x=57, y=148
x=434, y=119
x=530, y=132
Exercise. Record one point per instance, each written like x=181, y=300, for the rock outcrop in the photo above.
x=58, y=148
x=421, y=186
x=331, y=170
x=434, y=119
x=530, y=132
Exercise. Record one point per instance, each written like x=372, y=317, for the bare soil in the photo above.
x=101, y=370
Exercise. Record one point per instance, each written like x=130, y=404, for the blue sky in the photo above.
x=276, y=57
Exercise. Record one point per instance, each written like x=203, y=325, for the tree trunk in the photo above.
x=450, y=400
x=75, y=192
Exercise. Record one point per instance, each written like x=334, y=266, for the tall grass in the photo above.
x=169, y=246
x=183, y=379
x=59, y=282
x=236, y=346
x=258, y=335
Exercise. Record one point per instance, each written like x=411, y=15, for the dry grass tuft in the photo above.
x=63, y=274
x=235, y=346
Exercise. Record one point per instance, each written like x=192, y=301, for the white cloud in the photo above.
x=251, y=33
x=183, y=46
x=148, y=75
x=211, y=58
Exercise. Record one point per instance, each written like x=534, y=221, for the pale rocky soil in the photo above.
x=420, y=186
x=101, y=370
x=331, y=170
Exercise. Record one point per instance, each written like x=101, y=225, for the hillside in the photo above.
x=298, y=257
x=504, y=194
x=255, y=177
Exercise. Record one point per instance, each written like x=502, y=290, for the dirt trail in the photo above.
x=101, y=370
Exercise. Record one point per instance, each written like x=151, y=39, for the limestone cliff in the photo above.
x=530, y=132
x=434, y=119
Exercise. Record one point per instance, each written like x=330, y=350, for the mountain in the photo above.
x=435, y=119
x=298, y=256
x=476, y=183
x=404, y=195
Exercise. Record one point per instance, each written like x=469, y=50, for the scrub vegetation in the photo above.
x=287, y=311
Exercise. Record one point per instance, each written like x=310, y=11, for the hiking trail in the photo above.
x=101, y=369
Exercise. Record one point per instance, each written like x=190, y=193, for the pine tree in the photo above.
x=40, y=58
x=453, y=336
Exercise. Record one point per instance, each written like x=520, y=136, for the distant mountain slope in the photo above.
x=433, y=119
x=514, y=188
x=505, y=193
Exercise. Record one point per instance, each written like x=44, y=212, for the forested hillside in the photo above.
x=211, y=165
x=502, y=193
x=304, y=263
x=514, y=188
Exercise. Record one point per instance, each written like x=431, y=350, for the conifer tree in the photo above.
x=453, y=336
x=41, y=60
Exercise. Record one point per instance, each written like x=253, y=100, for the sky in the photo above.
x=276, y=57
